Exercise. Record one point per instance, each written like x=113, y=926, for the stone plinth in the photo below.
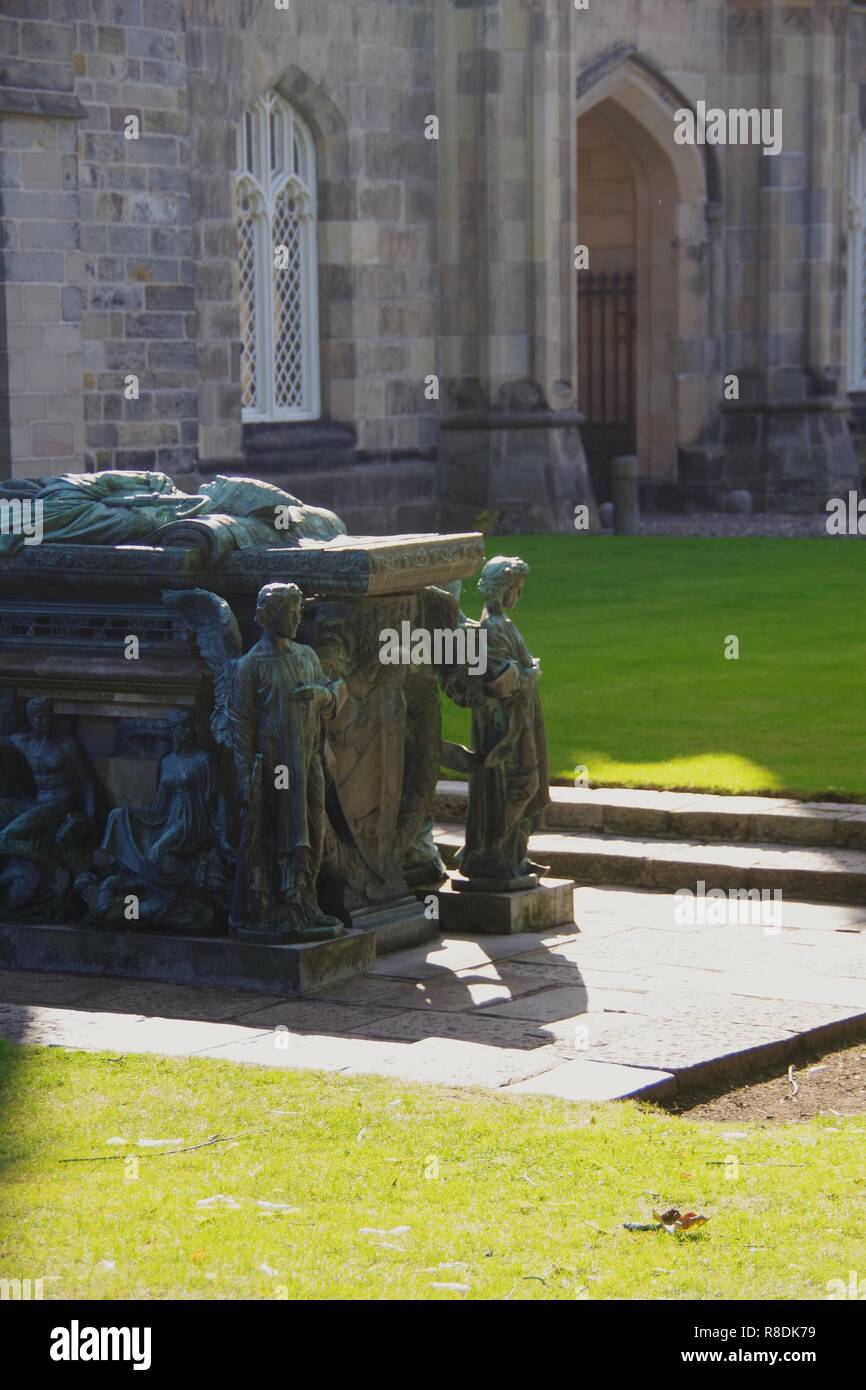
x=551, y=904
x=396, y=925
x=529, y=468
x=791, y=455
x=293, y=969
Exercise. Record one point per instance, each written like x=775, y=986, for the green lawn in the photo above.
x=631, y=636
x=393, y=1190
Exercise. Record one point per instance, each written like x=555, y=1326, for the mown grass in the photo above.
x=400, y=1191
x=631, y=634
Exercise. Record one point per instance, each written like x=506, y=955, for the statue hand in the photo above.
x=307, y=694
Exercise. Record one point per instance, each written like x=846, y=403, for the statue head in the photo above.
x=182, y=729
x=40, y=716
x=278, y=609
x=501, y=582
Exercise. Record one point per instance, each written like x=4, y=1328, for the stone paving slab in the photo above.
x=450, y=1062
x=303, y=1051
x=563, y=973
x=791, y=986
x=95, y=1032
x=710, y=948
x=853, y=969
x=475, y=988
x=607, y=908
x=590, y=1080
x=595, y=1035
x=312, y=1015
x=630, y=1003
x=674, y=1045
x=446, y=1061
x=154, y=998
x=45, y=987
x=479, y=1027
x=460, y=953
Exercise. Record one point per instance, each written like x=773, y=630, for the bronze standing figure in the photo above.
x=278, y=699
x=507, y=765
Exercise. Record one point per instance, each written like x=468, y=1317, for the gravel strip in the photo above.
x=781, y=525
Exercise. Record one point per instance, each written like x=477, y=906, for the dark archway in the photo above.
x=674, y=361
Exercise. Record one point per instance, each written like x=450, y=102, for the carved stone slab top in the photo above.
x=344, y=565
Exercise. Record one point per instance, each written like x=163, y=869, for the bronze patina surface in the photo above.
x=228, y=753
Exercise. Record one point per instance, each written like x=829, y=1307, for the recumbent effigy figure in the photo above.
x=507, y=764
x=130, y=507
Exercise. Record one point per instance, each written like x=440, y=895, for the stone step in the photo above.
x=824, y=875
x=690, y=816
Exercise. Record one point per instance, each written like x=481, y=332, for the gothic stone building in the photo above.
x=334, y=243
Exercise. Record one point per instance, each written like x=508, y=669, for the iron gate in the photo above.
x=606, y=360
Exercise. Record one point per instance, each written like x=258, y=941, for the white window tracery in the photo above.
x=276, y=210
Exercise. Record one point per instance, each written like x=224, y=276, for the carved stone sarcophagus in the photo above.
x=125, y=803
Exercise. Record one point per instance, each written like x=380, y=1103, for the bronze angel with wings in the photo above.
x=269, y=708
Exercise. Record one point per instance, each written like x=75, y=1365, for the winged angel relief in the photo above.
x=269, y=708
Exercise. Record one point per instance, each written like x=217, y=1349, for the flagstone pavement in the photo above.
x=629, y=1003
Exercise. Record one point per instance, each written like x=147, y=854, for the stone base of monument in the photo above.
x=293, y=969
x=490, y=913
x=396, y=925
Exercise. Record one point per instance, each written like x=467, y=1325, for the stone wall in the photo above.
x=446, y=258
x=115, y=235
x=136, y=234
x=41, y=398
x=364, y=79
x=41, y=406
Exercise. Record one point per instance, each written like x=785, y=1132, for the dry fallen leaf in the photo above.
x=675, y=1220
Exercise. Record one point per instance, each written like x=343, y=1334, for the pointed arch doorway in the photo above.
x=607, y=321
x=647, y=358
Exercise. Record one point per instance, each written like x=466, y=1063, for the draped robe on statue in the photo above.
x=277, y=746
x=128, y=508
x=507, y=801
